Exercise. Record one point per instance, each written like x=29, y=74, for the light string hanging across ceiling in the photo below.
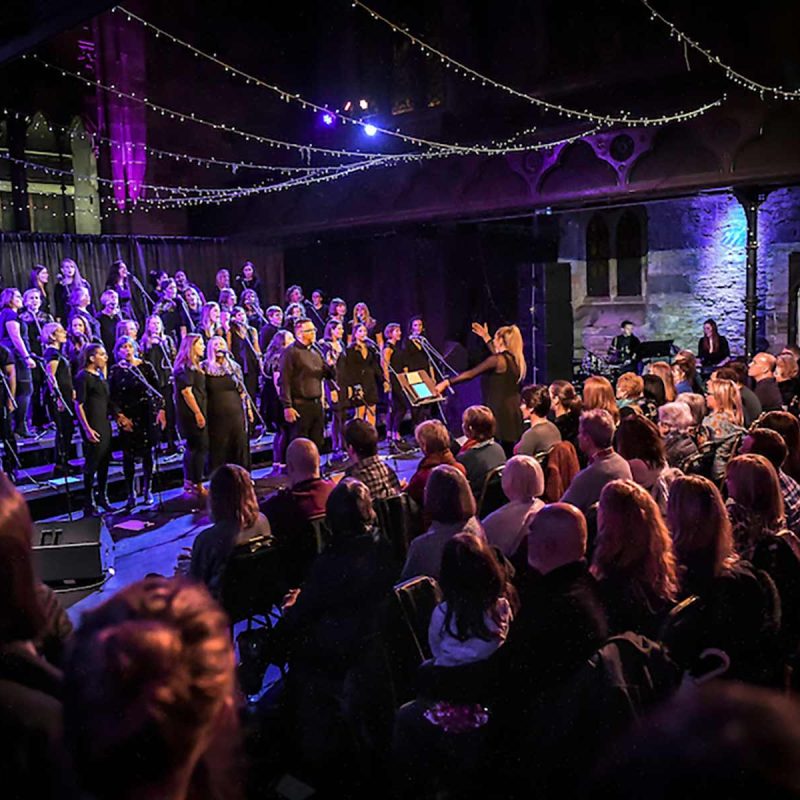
x=777, y=92
x=493, y=148
x=623, y=118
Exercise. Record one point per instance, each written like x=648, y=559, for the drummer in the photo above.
x=624, y=350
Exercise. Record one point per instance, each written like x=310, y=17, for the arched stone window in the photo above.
x=630, y=254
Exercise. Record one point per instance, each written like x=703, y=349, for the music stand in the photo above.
x=419, y=388
x=649, y=351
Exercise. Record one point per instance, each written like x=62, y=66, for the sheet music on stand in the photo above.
x=418, y=388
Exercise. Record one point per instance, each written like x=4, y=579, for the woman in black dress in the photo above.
x=501, y=374
x=194, y=307
x=60, y=391
x=359, y=375
x=77, y=338
x=169, y=307
x=139, y=409
x=158, y=349
x=227, y=404
x=190, y=411
x=245, y=350
x=39, y=279
x=91, y=409
x=333, y=349
x=14, y=336
x=247, y=279
x=210, y=322
x=119, y=281
x=69, y=278
x=713, y=350
x=35, y=316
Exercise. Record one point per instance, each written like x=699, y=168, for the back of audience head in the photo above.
x=523, y=479
x=724, y=739
x=349, y=510
x=361, y=437
x=599, y=393
x=752, y=483
x=630, y=386
x=638, y=437
x=563, y=397
x=767, y=443
x=302, y=460
x=785, y=367
x=654, y=389
x=684, y=368
x=472, y=580
x=432, y=437
x=704, y=549
x=724, y=398
x=535, y=400
x=595, y=430
x=478, y=423
x=675, y=417
x=633, y=543
x=232, y=498
x=149, y=692
x=556, y=537
x=787, y=426
x=697, y=406
x=448, y=498
x=740, y=369
x=664, y=371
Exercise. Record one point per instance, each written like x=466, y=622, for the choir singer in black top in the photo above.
x=301, y=373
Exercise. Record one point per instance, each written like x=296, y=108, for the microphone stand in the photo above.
x=252, y=349
x=138, y=284
x=154, y=393
x=188, y=313
x=240, y=386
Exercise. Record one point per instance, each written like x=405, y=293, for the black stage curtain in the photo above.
x=199, y=257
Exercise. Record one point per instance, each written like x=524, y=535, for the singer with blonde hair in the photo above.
x=501, y=375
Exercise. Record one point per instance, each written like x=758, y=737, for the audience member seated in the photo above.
x=560, y=469
x=450, y=507
x=723, y=425
x=565, y=410
x=15, y=522
x=630, y=394
x=150, y=695
x=664, y=371
x=434, y=441
x=788, y=427
x=599, y=393
x=480, y=454
x=736, y=371
x=234, y=511
x=327, y=628
x=561, y=620
x=478, y=603
x=361, y=439
x=734, y=610
x=786, y=372
x=523, y=485
x=633, y=560
x=721, y=740
x=697, y=407
x=684, y=373
x=30, y=688
x=762, y=370
x=542, y=434
x=767, y=443
x=639, y=442
x=675, y=422
x=654, y=390
x=755, y=508
x=595, y=435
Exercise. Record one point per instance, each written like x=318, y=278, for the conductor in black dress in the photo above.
x=301, y=374
x=501, y=374
x=91, y=409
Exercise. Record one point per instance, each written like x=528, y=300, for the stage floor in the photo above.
x=150, y=539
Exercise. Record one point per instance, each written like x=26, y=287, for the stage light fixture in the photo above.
x=328, y=119
x=363, y=104
x=370, y=130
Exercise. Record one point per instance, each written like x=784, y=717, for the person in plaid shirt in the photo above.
x=770, y=444
x=361, y=440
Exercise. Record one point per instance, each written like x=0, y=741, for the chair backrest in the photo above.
x=319, y=526
x=492, y=494
x=417, y=598
x=400, y=520
x=253, y=580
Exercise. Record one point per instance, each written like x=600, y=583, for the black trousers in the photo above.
x=9, y=442
x=195, y=453
x=97, y=457
x=310, y=424
x=129, y=468
x=64, y=428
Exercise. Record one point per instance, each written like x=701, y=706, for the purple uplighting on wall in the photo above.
x=121, y=63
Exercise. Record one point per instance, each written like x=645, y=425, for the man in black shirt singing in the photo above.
x=301, y=372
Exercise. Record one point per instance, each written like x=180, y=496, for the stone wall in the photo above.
x=694, y=268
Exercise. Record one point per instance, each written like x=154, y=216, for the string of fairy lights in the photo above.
x=161, y=196
x=764, y=91
x=459, y=68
